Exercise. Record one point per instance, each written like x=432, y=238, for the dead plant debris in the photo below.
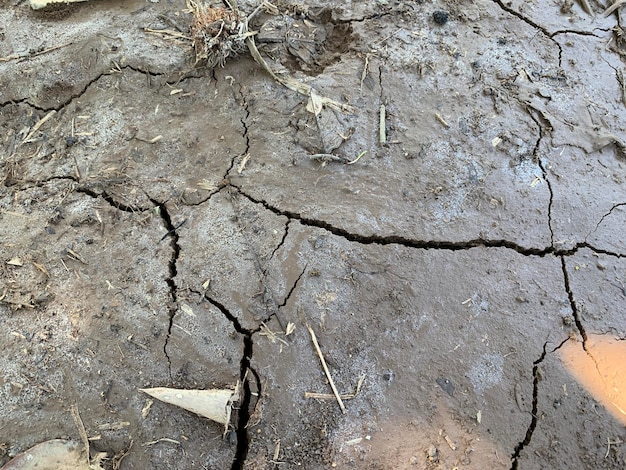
x=344, y=396
x=217, y=32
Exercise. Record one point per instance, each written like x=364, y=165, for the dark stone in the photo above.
x=446, y=385
x=440, y=17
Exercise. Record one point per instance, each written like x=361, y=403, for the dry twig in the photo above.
x=613, y=7
x=382, y=126
x=81, y=429
x=344, y=396
x=36, y=127
x=20, y=58
x=586, y=7
x=326, y=371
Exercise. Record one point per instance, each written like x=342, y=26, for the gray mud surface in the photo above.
x=161, y=224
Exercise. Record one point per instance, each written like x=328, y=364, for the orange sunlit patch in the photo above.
x=601, y=370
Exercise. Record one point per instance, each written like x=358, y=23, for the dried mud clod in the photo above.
x=217, y=33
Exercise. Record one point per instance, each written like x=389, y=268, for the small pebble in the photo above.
x=440, y=17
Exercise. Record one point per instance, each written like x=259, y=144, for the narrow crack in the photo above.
x=373, y=16
x=282, y=241
x=592, y=248
x=560, y=345
x=537, y=157
x=73, y=97
x=229, y=315
x=173, y=271
x=526, y=20
x=551, y=201
x=212, y=193
x=615, y=206
x=13, y=102
x=82, y=91
x=171, y=232
x=383, y=136
x=380, y=84
x=108, y=198
x=244, y=121
x=25, y=185
x=225, y=178
x=534, y=413
x=572, y=302
x=245, y=134
x=142, y=71
x=530, y=22
x=20, y=101
x=579, y=324
x=580, y=33
x=186, y=75
x=293, y=288
x=268, y=298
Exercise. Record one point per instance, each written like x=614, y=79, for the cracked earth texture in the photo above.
x=445, y=268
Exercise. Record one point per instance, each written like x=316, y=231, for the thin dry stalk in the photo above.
x=292, y=83
x=345, y=396
x=613, y=7
x=326, y=371
x=586, y=7
x=81, y=429
x=36, y=127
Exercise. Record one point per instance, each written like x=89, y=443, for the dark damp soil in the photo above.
x=165, y=224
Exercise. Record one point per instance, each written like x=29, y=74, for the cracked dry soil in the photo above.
x=445, y=268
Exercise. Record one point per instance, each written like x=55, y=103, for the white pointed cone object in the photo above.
x=57, y=454
x=215, y=404
x=37, y=4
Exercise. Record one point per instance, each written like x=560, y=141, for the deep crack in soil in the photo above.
x=242, y=433
x=572, y=302
x=173, y=271
x=534, y=411
x=396, y=310
x=422, y=244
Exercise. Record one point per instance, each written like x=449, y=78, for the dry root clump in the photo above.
x=217, y=32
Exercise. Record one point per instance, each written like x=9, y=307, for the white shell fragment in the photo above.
x=215, y=404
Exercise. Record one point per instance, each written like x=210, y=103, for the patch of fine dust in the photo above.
x=486, y=372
